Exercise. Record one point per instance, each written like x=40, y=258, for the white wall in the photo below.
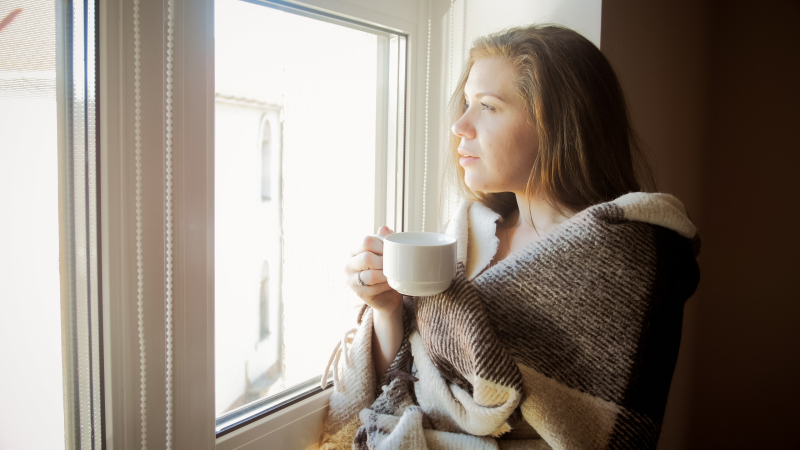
x=487, y=16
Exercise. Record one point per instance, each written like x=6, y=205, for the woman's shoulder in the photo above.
x=640, y=210
x=638, y=233
x=645, y=233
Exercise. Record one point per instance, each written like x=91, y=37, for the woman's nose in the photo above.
x=463, y=128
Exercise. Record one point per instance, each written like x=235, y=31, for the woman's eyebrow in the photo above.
x=488, y=94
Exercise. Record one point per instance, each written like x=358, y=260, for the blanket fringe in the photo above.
x=341, y=347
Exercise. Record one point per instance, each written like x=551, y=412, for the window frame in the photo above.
x=192, y=78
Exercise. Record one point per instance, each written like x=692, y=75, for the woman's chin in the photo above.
x=471, y=184
x=476, y=185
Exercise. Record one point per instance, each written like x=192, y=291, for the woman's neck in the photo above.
x=517, y=230
x=534, y=217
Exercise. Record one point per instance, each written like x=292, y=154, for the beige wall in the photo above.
x=713, y=91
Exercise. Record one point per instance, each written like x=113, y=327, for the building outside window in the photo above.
x=302, y=130
x=263, y=305
x=266, y=160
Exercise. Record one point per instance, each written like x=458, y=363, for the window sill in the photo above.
x=298, y=426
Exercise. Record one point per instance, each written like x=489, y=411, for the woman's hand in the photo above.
x=387, y=304
x=367, y=258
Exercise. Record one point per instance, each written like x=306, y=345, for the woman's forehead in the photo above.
x=491, y=76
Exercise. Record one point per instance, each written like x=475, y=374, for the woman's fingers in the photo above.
x=367, y=263
x=369, y=277
x=367, y=292
x=371, y=243
x=368, y=244
x=364, y=261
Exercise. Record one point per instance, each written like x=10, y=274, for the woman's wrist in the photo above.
x=389, y=305
x=388, y=313
x=387, y=329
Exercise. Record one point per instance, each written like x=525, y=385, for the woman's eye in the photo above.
x=483, y=106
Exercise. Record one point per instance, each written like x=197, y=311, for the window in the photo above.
x=31, y=380
x=309, y=110
x=183, y=261
x=49, y=232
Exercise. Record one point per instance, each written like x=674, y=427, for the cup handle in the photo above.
x=378, y=236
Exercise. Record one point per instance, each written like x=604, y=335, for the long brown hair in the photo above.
x=588, y=152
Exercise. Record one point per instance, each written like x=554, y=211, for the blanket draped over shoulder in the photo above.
x=570, y=343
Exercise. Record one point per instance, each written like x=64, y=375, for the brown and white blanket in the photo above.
x=568, y=344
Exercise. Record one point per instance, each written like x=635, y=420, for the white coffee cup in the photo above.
x=419, y=263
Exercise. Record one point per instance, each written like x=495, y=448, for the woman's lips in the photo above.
x=465, y=160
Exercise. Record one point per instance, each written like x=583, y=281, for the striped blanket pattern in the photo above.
x=570, y=343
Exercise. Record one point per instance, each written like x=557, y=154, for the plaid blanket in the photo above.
x=570, y=343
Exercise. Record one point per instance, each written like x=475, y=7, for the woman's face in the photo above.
x=498, y=146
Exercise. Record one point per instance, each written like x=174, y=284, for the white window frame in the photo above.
x=192, y=425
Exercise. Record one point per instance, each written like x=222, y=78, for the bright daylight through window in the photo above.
x=308, y=148
x=31, y=383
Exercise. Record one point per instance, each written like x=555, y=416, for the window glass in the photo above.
x=300, y=178
x=30, y=304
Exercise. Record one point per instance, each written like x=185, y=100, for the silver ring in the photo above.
x=358, y=277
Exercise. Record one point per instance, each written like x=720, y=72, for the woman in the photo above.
x=562, y=326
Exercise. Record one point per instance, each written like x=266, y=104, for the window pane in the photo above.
x=300, y=178
x=30, y=305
